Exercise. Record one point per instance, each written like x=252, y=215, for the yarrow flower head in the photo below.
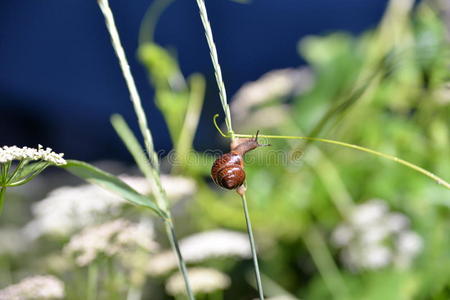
x=8, y=154
x=202, y=246
x=374, y=238
x=251, y=103
x=35, y=287
x=69, y=208
x=110, y=239
x=203, y=281
x=31, y=162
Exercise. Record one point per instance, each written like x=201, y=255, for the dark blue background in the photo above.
x=60, y=80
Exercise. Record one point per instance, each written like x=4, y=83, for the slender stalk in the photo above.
x=215, y=62
x=416, y=168
x=148, y=140
x=253, y=247
x=92, y=282
x=148, y=24
x=181, y=264
x=4, y=170
x=18, y=167
x=2, y=197
x=134, y=95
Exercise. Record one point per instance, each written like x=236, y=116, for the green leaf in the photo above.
x=162, y=66
x=111, y=183
x=132, y=144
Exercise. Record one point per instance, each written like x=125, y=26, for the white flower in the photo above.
x=368, y=213
x=342, y=235
x=8, y=154
x=203, y=280
x=272, y=85
x=36, y=287
x=409, y=244
x=374, y=238
x=66, y=209
x=374, y=234
x=109, y=239
x=202, y=246
x=396, y=222
x=215, y=243
x=376, y=257
x=176, y=187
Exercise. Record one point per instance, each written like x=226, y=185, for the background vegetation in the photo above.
x=318, y=226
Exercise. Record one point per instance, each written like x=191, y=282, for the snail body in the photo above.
x=228, y=170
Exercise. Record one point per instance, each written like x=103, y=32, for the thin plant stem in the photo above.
x=4, y=170
x=216, y=65
x=21, y=164
x=412, y=166
x=148, y=24
x=2, y=197
x=92, y=282
x=253, y=247
x=148, y=140
x=181, y=264
x=134, y=95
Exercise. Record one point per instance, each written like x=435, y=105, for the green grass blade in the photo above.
x=132, y=144
x=111, y=183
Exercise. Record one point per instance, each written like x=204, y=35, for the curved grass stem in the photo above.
x=253, y=247
x=412, y=166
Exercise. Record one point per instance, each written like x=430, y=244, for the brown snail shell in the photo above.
x=228, y=170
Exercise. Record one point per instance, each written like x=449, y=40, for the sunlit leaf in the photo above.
x=111, y=183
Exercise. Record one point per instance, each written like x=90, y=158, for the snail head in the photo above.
x=242, y=146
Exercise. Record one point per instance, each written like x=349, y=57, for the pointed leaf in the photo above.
x=111, y=183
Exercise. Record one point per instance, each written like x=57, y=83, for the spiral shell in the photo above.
x=228, y=171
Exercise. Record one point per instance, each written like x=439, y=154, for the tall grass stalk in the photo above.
x=216, y=64
x=253, y=247
x=153, y=166
x=226, y=109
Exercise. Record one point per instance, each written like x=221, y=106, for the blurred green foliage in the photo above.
x=389, y=90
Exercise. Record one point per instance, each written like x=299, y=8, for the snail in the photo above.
x=228, y=170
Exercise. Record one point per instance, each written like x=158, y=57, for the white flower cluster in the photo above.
x=272, y=85
x=110, y=239
x=200, y=247
x=35, y=287
x=67, y=209
x=8, y=154
x=176, y=187
x=203, y=280
x=374, y=238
